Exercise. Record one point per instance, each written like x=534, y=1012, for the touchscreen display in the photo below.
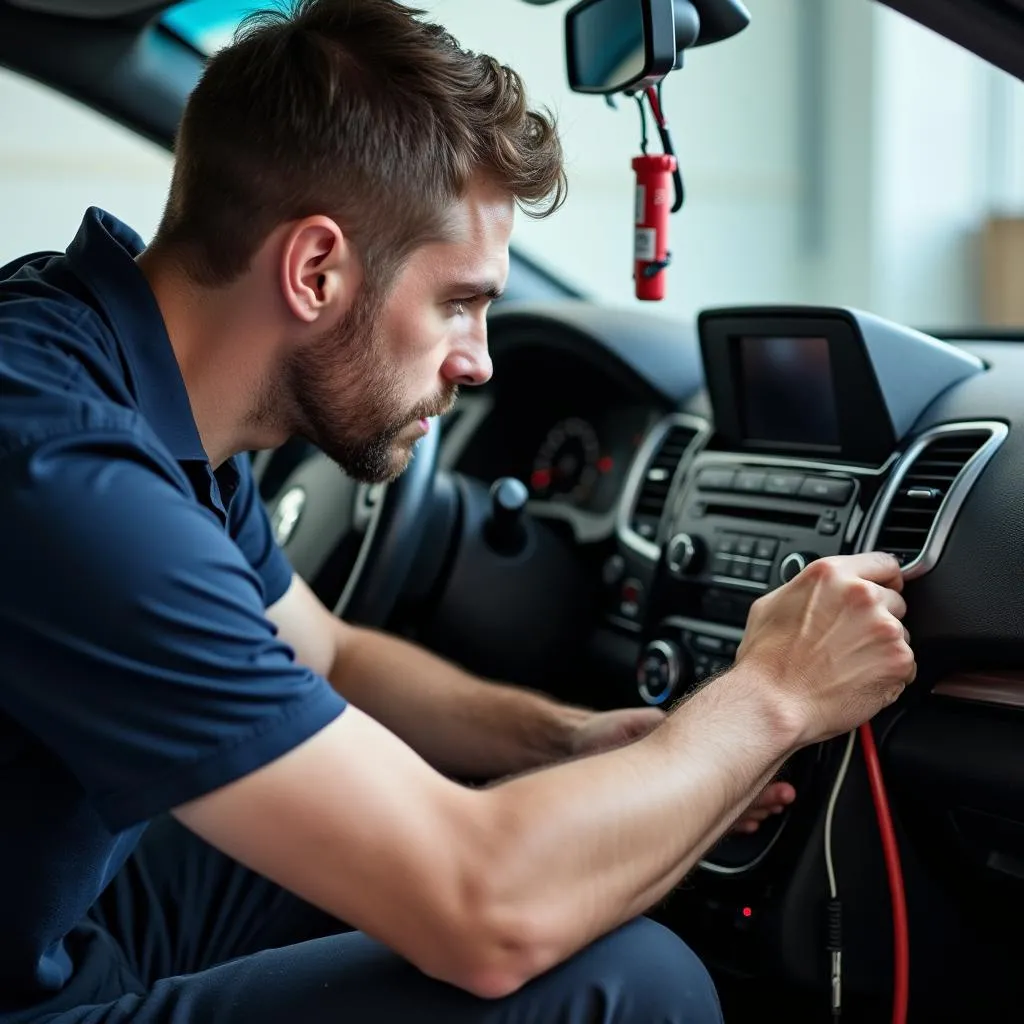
x=786, y=393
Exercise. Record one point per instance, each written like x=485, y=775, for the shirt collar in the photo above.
x=102, y=255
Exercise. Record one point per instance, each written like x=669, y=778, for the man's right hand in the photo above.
x=831, y=644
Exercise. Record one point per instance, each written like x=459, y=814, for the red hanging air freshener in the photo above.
x=654, y=191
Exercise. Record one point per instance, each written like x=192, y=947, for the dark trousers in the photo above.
x=205, y=941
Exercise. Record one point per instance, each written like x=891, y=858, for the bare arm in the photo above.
x=460, y=724
x=488, y=888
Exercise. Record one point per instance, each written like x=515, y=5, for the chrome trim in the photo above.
x=796, y=558
x=1002, y=689
x=637, y=471
x=942, y=525
x=672, y=664
x=754, y=459
x=731, y=581
x=698, y=625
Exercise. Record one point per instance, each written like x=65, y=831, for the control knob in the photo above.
x=794, y=563
x=659, y=671
x=684, y=554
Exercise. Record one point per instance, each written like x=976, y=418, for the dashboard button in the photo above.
x=783, y=483
x=760, y=571
x=659, y=671
x=716, y=479
x=766, y=548
x=829, y=527
x=630, y=598
x=830, y=490
x=745, y=546
x=750, y=482
x=613, y=569
x=713, y=644
x=795, y=563
x=740, y=569
x=684, y=554
x=726, y=544
x=720, y=565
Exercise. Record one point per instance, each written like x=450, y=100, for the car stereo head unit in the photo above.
x=820, y=382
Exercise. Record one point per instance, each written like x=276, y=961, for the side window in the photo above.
x=57, y=158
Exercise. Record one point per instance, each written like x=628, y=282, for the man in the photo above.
x=339, y=219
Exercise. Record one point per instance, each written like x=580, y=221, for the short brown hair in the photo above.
x=356, y=109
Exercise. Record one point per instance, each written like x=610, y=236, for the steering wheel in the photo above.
x=353, y=543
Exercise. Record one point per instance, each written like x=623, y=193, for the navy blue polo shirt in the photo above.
x=138, y=669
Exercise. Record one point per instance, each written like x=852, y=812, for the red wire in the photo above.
x=901, y=939
x=652, y=98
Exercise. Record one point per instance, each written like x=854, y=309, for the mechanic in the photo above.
x=339, y=217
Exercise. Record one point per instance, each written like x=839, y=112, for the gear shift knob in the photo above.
x=504, y=529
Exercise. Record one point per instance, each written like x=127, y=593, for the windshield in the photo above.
x=833, y=153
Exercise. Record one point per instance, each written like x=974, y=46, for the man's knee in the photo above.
x=647, y=974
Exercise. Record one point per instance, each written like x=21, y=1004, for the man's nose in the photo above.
x=470, y=364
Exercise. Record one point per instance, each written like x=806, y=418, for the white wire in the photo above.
x=844, y=766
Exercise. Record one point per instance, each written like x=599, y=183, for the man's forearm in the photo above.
x=590, y=844
x=463, y=726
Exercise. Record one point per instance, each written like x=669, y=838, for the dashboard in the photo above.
x=560, y=425
x=697, y=467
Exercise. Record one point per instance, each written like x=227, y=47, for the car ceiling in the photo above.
x=90, y=8
x=993, y=29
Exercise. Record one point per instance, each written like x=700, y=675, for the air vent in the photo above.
x=657, y=480
x=916, y=515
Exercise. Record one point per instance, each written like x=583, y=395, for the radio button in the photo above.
x=659, y=671
x=760, y=571
x=766, y=548
x=720, y=565
x=750, y=482
x=795, y=563
x=716, y=479
x=783, y=483
x=740, y=569
x=726, y=545
x=827, y=489
x=745, y=546
x=714, y=644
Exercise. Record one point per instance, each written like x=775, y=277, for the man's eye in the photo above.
x=458, y=306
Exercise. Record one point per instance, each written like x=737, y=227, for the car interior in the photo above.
x=597, y=520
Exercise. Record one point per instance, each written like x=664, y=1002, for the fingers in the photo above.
x=894, y=602
x=875, y=566
x=778, y=794
x=771, y=801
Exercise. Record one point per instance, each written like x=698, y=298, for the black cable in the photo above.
x=643, y=123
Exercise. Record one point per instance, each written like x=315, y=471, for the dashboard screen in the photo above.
x=786, y=392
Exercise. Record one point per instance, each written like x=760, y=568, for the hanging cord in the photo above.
x=654, y=101
x=643, y=124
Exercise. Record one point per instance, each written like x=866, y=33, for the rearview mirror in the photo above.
x=631, y=45
x=615, y=45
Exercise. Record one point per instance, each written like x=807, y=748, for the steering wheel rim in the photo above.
x=311, y=523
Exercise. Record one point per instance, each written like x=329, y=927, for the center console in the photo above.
x=809, y=407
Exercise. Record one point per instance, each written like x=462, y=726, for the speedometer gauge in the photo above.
x=566, y=466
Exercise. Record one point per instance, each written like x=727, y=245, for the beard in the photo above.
x=346, y=398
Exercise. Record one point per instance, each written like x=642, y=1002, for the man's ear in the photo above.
x=320, y=273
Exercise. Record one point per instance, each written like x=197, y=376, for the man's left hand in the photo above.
x=605, y=730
